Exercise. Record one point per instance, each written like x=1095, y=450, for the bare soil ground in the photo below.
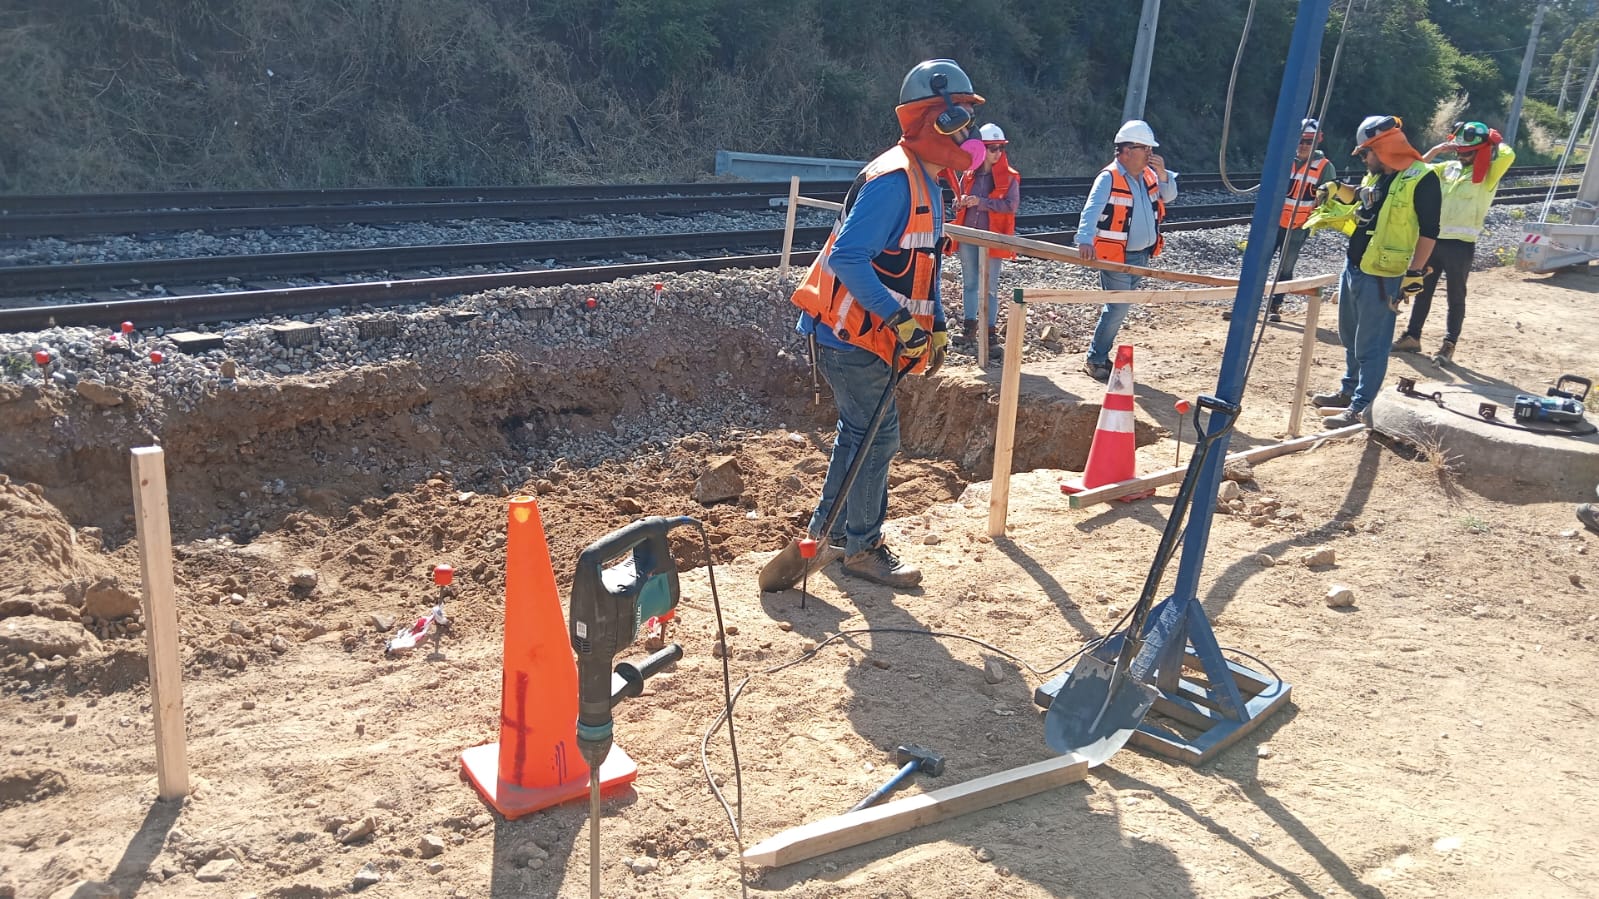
x=1441, y=740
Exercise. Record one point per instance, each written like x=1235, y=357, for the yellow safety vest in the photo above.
x=1466, y=204
x=1393, y=240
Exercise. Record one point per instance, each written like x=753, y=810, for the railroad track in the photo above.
x=280, y=300
x=31, y=217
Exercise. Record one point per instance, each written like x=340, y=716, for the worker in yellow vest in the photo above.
x=1391, y=240
x=1469, y=183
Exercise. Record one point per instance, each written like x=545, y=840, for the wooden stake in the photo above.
x=1173, y=475
x=982, y=307
x=1307, y=353
x=1010, y=387
x=788, y=226
x=855, y=828
x=161, y=620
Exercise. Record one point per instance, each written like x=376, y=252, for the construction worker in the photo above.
x=1121, y=223
x=1391, y=239
x=871, y=300
x=1469, y=182
x=1310, y=170
x=988, y=199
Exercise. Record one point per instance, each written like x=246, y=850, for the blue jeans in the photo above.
x=858, y=379
x=1366, y=329
x=1111, y=315
x=969, y=296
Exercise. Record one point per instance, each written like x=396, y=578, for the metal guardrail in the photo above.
x=767, y=167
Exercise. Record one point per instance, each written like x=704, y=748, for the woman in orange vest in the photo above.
x=1310, y=171
x=988, y=201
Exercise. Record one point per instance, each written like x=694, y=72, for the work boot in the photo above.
x=1446, y=352
x=826, y=554
x=1407, y=344
x=1346, y=418
x=1588, y=514
x=1274, y=309
x=968, y=335
x=1338, y=400
x=1099, y=371
x=880, y=565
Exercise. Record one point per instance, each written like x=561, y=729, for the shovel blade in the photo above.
x=1089, y=718
x=783, y=571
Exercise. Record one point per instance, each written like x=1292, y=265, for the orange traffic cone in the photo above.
x=536, y=764
x=1111, y=457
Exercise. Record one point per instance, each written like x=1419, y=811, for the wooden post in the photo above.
x=788, y=225
x=982, y=307
x=1010, y=387
x=161, y=619
x=1307, y=351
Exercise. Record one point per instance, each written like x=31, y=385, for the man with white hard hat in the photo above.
x=1121, y=223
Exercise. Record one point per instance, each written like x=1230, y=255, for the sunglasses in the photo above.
x=1303, y=141
x=1139, y=147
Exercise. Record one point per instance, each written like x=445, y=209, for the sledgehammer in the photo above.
x=912, y=757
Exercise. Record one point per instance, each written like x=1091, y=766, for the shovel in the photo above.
x=1102, y=703
x=788, y=566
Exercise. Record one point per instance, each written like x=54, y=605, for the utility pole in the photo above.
x=1564, y=84
x=1143, y=56
x=1514, y=119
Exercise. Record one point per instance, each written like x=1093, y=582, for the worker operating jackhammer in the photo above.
x=872, y=298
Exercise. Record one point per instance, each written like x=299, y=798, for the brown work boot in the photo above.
x=1406, y=344
x=968, y=334
x=880, y=565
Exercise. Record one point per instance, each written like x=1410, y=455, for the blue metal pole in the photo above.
x=1304, y=55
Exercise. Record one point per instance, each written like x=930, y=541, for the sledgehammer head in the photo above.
x=928, y=762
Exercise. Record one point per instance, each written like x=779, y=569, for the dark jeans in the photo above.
x=1450, y=259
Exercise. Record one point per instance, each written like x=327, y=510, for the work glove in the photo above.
x=1410, y=284
x=940, y=345
x=913, y=340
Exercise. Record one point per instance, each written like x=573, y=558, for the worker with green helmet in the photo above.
x=1469, y=180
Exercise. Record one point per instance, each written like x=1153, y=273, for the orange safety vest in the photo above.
x=909, y=271
x=1110, y=233
x=1301, y=200
x=998, y=222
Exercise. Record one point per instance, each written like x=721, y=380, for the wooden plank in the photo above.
x=1173, y=475
x=1010, y=388
x=1149, y=297
x=1307, y=352
x=1053, y=251
x=161, y=619
x=788, y=226
x=854, y=828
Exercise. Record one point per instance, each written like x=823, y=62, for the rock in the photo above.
x=367, y=876
x=304, y=579
x=278, y=645
x=356, y=830
x=216, y=870
x=993, y=670
x=983, y=854
x=643, y=865
x=228, y=369
x=435, y=867
x=1576, y=579
x=627, y=505
x=44, y=637
x=1229, y=491
x=481, y=820
x=1264, y=751
x=1264, y=560
x=106, y=600
x=721, y=481
x=1238, y=470
x=932, y=540
x=431, y=846
x=20, y=786
x=881, y=664
x=1340, y=597
x=1319, y=558
x=99, y=394
x=382, y=623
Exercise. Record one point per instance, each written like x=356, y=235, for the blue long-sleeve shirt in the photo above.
x=1141, y=226
x=874, y=224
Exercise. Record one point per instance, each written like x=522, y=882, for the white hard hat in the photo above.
x=1373, y=125
x=1309, y=126
x=1136, y=131
x=992, y=134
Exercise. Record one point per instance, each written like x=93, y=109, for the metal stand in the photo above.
x=1206, y=703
